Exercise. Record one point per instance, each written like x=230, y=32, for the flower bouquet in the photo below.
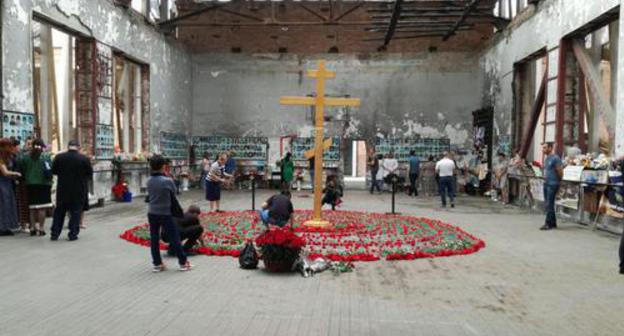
x=280, y=248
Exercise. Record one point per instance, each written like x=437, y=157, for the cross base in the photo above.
x=317, y=223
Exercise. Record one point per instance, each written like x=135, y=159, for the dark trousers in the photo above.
x=622, y=254
x=156, y=222
x=374, y=182
x=447, y=187
x=190, y=233
x=550, y=193
x=413, y=184
x=58, y=219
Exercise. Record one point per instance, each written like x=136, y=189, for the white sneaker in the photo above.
x=185, y=267
x=159, y=268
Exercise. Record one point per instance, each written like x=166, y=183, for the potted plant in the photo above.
x=280, y=248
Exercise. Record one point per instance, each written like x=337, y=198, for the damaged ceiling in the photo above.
x=334, y=26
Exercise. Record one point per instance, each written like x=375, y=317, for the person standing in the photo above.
x=161, y=191
x=553, y=172
x=73, y=170
x=8, y=206
x=311, y=171
x=414, y=172
x=206, y=163
x=23, y=213
x=216, y=177
x=445, y=169
x=500, y=178
x=373, y=167
x=287, y=170
x=36, y=169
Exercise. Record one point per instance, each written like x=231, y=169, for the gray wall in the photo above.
x=537, y=28
x=170, y=65
x=430, y=94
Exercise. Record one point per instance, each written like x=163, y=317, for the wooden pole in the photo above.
x=596, y=90
x=318, y=142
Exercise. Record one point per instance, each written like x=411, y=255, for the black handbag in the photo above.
x=248, y=258
x=176, y=208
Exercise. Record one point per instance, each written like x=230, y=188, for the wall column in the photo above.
x=619, y=104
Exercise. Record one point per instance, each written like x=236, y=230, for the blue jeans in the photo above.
x=550, y=193
x=156, y=222
x=447, y=186
x=374, y=182
x=413, y=184
x=266, y=219
x=58, y=220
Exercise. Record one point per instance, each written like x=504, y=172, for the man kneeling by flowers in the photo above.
x=277, y=210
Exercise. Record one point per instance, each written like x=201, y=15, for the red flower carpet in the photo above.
x=353, y=236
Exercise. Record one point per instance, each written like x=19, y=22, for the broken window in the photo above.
x=129, y=102
x=528, y=77
x=509, y=8
x=53, y=81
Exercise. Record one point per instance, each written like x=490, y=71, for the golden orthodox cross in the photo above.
x=319, y=102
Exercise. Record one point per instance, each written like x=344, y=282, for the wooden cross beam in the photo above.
x=319, y=102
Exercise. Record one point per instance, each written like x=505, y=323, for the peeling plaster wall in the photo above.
x=544, y=28
x=170, y=64
x=428, y=94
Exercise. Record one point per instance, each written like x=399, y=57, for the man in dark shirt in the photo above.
x=189, y=228
x=553, y=172
x=373, y=166
x=73, y=170
x=277, y=210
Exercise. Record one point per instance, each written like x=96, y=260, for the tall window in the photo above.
x=53, y=81
x=128, y=100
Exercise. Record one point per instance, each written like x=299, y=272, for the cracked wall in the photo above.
x=170, y=64
x=427, y=94
x=541, y=27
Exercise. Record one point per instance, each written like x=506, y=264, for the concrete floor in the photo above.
x=525, y=282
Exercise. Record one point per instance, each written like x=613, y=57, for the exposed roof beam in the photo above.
x=406, y=37
x=189, y=15
x=311, y=11
x=473, y=4
x=246, y=16
x=425, y=9
x=396, y=13
x=349, y=11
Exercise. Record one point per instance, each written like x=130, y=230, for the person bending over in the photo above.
x=190, y=231
x=277, y=210
x=333, y=192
